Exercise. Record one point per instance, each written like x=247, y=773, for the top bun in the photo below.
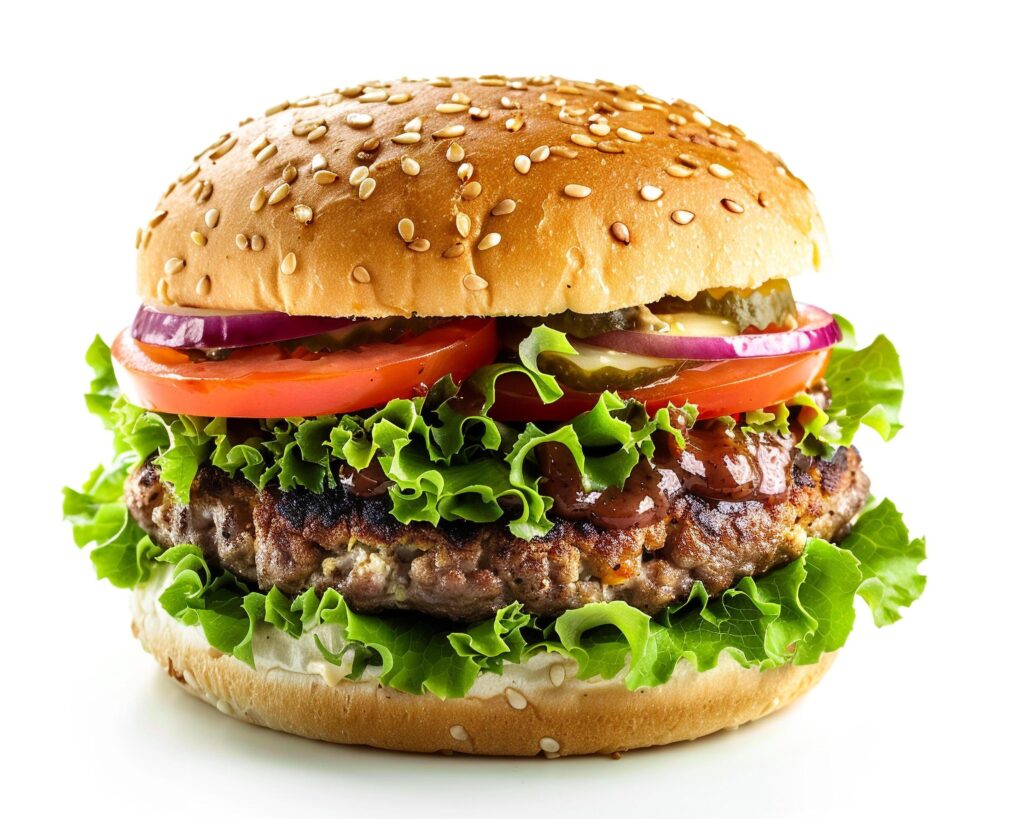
x=489, y=196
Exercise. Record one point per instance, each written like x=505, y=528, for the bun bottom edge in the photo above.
x=572, y=718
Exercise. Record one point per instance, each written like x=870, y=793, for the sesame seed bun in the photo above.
x=535, y=708
x=486, y=196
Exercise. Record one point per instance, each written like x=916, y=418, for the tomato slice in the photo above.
x=268, y=382
x=717, y=388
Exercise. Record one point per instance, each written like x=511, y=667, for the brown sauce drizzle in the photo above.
x=716, y=463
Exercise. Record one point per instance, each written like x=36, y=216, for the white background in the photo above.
x=907, y=126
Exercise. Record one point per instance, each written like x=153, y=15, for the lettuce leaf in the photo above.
x=866, y=388
x=445, y=465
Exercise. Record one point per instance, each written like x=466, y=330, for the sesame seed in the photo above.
x=504, y=207
x=583, y=140
x=567, y=117
x=677, y=119
x=161, y=291
x=449, y=132
x=465, y=172
x=557, y=674
x=489, y=241
x=679, y=171
x=627, y=105
x=688, y=161
x=317, y=133
x=359, y=173
x=241, y=242
x=762, y=199
x=563, y=152
x=419, y=245
x=479, y=113
x=257, y=242
x=205, y=191
x=406, y=229
x=620, y=232
x=410, y=166
x=651, y=193
x=540, y=153
x=361, y=274
x=508, y=102
x=701, y=118
x=223, y=148
x=373, y=96
x=455, y=152
x=458, y=733
x=304, y=127
x=279, y=193
x=366, y=187
x=259, y=199
x=451, y=108
x=558, y=102
x=577, y=191
x=266, y=153
x=413, y=126
x=516, y=699
x=629, y=135
x=258, y=145
x=289, y=264
x=324, y=177
x=459, y=97
x=138, y=238
x=303, y=214
x=359, y=120
x=720, y=171
x=463, y=224
x=600, y=128
x=157, y=218
x=549, y=745
x=407, y=138
x=198, y=238
x=174, y=265
x=306, y=102
x=732, y=206
x=289, y=173
x=522, y=163
x=203, y=286
x=610, y=146
x=190, y=173
x=398, y=99
x=453, y=251
x=514, y=124
x=474, y=282
x=682, y=217
x=472, y=190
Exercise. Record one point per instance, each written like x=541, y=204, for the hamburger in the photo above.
x=478, y=415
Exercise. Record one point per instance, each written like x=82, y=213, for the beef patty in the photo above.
x=464, y=571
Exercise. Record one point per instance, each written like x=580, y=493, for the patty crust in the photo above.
x=466, y=571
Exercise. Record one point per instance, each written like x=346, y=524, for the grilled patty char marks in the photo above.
x=464, y=571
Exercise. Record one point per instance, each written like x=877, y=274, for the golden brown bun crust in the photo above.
x=572, y=718
x=740, y=217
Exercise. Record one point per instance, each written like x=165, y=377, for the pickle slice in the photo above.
x=769, y=305
x=596, y=369
x=586, y=325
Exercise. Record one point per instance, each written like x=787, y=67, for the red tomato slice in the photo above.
x=717, y=388
x=267, y=382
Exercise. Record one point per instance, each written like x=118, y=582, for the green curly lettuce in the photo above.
x=866, y=387
x=445, y=463
x=793, y=614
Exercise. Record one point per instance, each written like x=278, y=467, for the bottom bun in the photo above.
x=537, y=707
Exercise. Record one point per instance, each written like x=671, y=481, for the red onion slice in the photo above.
x=206, y=330
x=817, y=330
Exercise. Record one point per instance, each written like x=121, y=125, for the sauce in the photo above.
x=364, y=483
x=715, y=463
